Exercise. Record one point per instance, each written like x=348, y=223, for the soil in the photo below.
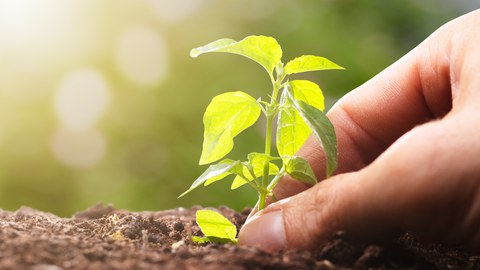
x=107, y=238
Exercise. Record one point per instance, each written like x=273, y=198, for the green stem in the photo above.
x=261, y=200
x=271, y=111
x=275, y=180
x=252, y=173
x=268, y=146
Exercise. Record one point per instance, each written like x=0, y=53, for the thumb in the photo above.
x=311, y=217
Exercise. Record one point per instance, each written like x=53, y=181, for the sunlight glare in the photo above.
x=33, y=21
x=81, y=99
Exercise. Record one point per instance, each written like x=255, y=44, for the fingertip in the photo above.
x=265, y=231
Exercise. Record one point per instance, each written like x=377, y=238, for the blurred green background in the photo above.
x=100, y=101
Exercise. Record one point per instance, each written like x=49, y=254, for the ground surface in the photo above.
x=105, y=238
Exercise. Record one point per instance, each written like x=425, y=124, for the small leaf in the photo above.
x=256, y=161
x=216, y=227
x=200, y=240
x=324, y=131
x=292, y=131
x=299, y=169
x=214, y=46
x=226, y=116
x=264, y=50
x=235, y=167
x=204, y=240
x=240, y=181
x=308, y=92
x=306, y=63
x=217, y=172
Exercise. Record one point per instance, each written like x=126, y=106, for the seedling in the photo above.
x=296, y=105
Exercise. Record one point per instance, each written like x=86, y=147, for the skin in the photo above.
x=409, y=155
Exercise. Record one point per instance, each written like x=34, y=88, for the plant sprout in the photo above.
x=296, y=105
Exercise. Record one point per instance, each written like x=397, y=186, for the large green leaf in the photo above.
x=292, y=131
x=264, y=50
x=306, y=63
x=215, y=227
x=226, y=116
x=214, y=173
x=308, y=92
x=299, y=169
x=324, y=131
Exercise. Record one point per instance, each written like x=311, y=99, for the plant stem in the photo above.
x=261, y=200
x=275, y=180
x=268, y=146
x=268, y=135
x=271, y=111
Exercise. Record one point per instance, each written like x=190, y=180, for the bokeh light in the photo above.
x=33, y=22
x=81, y=99
x=141, y=55
x=174, y=11
x=78, y=149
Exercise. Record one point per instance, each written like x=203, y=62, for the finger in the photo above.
x=414, y=90
x=424, y=193
x=288, y=187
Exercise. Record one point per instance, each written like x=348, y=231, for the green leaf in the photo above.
x=264, y=50
x=292, y=131
x=205, y=239
x=215, y=46
x=200, y=240
x=324, y=131
x=215, y=172
x=306, y=63
x=215, y=227
x=226, y=116
x=299, y=169
x=256, y=161
x=308, y=92
x=240, y=181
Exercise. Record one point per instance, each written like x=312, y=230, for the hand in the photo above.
x=409, y=155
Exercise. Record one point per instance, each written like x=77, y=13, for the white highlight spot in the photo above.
x=174, y=10
x=78, y=149
x=141, y=55
x=33, y=21
x=81, y=99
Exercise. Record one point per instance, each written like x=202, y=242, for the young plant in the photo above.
x=296, y=105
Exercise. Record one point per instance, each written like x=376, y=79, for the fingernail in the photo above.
x=265, y=231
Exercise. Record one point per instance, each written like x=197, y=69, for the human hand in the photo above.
x=409, y=155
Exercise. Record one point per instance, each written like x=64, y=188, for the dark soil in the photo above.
x=106, y=238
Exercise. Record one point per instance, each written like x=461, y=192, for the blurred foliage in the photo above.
x=144, y=143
